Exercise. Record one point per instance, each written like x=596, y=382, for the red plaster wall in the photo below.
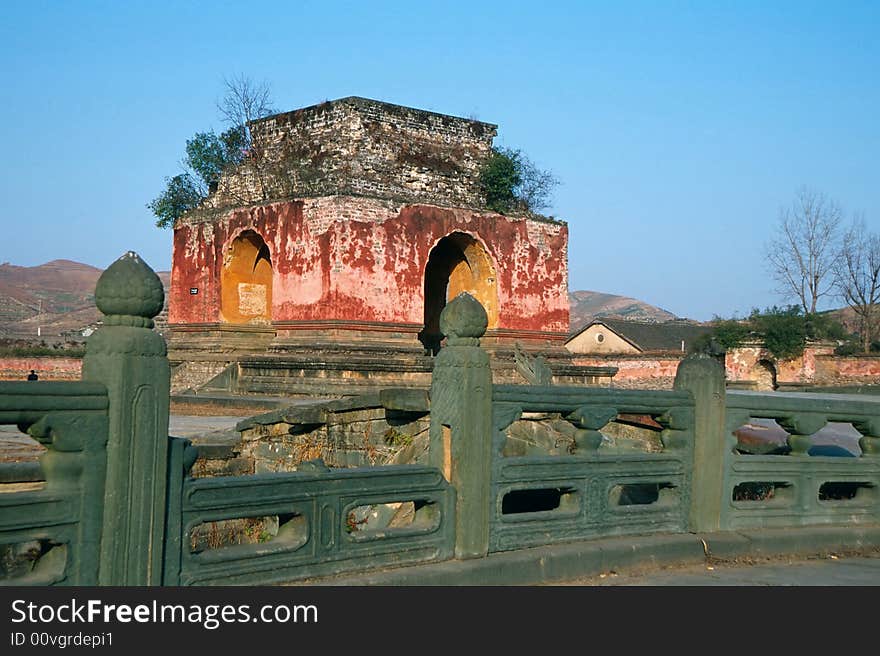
x=366, y=262
x=647, y=372
x=848, y=370
x=47, y=368
x=740, y=363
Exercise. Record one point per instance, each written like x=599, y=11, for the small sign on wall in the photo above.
x=193, y=290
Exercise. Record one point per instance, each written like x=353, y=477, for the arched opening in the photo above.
x=458, y=263
x=246, y=280
x=764, y=375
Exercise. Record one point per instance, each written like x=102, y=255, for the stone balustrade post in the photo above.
x=703, y=377
x=130, y=359
x=461, y=421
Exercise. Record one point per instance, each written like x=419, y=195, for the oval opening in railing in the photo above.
x=776, y=492
x=643, y=494
x=553, y=434
x=557, y=500
x=240, y=535
x=39, y=561
x=855, y=491
x=20, y=469
x=392, y=519
x=766, y=436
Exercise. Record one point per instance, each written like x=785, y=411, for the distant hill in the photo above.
x=586, y=306
x=847, y=317
x=56, y=297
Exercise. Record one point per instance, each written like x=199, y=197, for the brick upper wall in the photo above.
x=356, y=146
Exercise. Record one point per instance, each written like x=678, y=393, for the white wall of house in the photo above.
x=599, y=339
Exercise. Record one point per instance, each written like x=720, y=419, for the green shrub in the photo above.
x=783, y=330
x=512, y=183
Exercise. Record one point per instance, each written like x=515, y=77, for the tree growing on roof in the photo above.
x=209, y=155
x=511, y=182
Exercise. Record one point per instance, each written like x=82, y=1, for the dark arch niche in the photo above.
x=764, y=374
x=246, y=280
x=458, y=263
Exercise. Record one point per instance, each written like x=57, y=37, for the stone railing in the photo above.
x=800, y=482
x=508, y=500
x=50, y=531
x=695, y=479
x=508, y=467
x=306, y=523
x=116, y=504
x=100, y=515
x=591, y=489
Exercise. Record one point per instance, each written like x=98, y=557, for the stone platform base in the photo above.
x=292, y=366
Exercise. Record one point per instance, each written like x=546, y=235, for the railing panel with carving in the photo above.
x=791, y=485
x=325, y=522
x=52, y=535
x=589, y=490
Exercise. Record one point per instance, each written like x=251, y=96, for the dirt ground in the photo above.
x=860, y=567
x=214, y=410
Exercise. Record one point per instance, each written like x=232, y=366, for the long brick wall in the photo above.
x=636, y=371
x=850, y=370
x=47, y=368
x=817, y=366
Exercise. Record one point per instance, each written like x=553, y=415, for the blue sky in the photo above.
x=677, y=129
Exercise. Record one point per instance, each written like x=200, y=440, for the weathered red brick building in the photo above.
x=340, y=247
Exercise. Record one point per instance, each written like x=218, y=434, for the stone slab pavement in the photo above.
x=18, y=447
x=826, y=571
x=190, y=425
x=807, y=556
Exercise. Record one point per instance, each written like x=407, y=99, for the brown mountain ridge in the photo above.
x=52, y=300
x=585, y=306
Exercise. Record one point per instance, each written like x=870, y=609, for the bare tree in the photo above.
x=536, y=187
x=803, y=254
x=211, y=158
x=857, y=278
x=246, y=101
